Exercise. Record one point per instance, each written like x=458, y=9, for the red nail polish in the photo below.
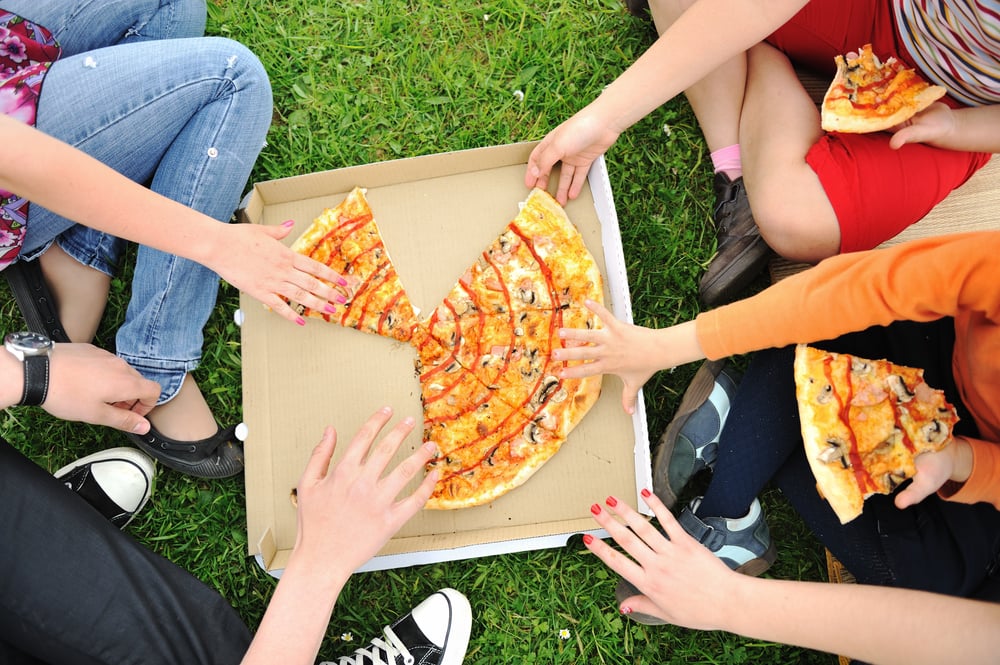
x=611, y=501
x=587, y=539
x=596, y=509
x=645, y=493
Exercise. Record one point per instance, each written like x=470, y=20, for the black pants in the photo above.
x=75, y=590
x=935, y=545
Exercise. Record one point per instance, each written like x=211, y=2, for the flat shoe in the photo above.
x=218, y=456
x=34, y=299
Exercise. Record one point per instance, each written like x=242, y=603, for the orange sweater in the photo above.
x=923, y=280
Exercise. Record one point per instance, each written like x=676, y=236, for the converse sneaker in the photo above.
x=435, y=632
x=743, y=543
x=691, y=442
x=117, y=482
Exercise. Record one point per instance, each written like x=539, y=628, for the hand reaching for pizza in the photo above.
x=347, y=512
x=682, y=581
x=253, y=260
x=576, y=143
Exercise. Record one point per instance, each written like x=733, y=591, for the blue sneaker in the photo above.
x=691, y=442
x=743, y=543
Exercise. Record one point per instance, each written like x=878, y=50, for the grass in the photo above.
x=356, y=82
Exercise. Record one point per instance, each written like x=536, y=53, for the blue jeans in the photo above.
x=139, y=89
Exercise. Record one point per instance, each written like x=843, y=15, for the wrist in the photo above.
x=11, y=385
x=961, y=455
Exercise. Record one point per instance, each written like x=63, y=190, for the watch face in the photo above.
x=29, y=343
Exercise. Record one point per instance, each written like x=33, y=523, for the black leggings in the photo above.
x=935, y=545
x=76, y=590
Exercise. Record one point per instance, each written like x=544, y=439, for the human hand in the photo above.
x=347, y=512
x=576, y=143
x=931, y=126
x=90, y=385
x=616, y=348
x=953, y=462
x=256, y=262
x=681, y=581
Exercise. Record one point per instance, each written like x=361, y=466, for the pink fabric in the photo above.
x=727, y=160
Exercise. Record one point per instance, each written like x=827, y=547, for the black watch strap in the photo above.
x=36, y=380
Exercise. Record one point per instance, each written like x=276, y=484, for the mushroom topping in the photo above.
x=531, y=433
x=934, y=431
x=860, y=366
x=834, y=452
x=899, y=388
x=825, y=395
x=549, y=384
x=895, y=478
x=560, y=395
x=527, y=296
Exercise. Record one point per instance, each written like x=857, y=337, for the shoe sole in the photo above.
x=759, y=566
x=730, y=282
x=202, y=469
x=696, y=394
x=461, y=628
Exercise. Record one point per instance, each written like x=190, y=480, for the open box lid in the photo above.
x=436, y=214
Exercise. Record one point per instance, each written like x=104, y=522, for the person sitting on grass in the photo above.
x=185, y=116
x=77, y=589
x=781, y=181
x=931, y=303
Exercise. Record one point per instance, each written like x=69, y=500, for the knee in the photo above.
x=243, y=67
x=796, y=231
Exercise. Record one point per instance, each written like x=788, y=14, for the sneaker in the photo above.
x=741, y=252
x=117, y=482
x=435, y=632
x=743, y=543
x=691, y=442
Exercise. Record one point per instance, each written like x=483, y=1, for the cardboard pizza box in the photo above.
x=436, y=214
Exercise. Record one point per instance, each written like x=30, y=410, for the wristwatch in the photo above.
x=33, y=350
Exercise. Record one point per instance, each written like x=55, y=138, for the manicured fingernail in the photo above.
x=341, y=282
x=341, y=298
x=288, y=223
x=626, y=609
x=587, y=539
x=645, y=493
x=611, y=501
x=330, y=309
x=300, y=321
x=596, y=509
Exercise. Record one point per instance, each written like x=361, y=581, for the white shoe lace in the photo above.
x=377, y=650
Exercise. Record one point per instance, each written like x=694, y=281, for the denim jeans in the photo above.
x=75, y=589
x=139, y=89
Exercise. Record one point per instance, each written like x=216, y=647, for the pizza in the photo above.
x=493, y=401
x=863, y=423
x=868, y=95
x=347, y=239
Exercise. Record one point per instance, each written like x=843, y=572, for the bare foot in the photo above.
x=187, y=416
x=81, y=293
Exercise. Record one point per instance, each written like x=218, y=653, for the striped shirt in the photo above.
x=955, y=44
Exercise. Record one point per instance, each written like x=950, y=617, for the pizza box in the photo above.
x=436, y=214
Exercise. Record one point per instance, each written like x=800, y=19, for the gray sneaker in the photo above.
x=691, y=442
x=743, y=543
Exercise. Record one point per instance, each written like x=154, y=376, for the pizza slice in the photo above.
x=347, y=239
x=868, y=95
x=863, y=423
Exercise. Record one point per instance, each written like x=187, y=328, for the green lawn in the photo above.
x=360, y=81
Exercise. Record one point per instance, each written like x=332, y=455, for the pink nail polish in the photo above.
x=288, y=223
x=341, y=282
x=626, y=610
x=595, y=509
x=329, y=308
x=341, y=299
x=587, y=539
x=611, y=501
x=300, y=321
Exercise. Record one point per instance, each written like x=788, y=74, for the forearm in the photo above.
x=977, y=129
x=707, y=35
x=297, y=617
x=874, y=624
x=79, y=187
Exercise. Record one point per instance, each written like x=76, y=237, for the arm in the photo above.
x=346, y=514
x=87, y=384
x=685, y=584
x=972, y=129
x=708, y=34
x=250, y=257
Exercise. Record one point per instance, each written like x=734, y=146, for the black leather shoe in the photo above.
x=34, y=299
x=741, y=252
x=638, y=8
x=218, y=456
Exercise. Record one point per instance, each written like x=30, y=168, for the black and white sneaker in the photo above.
x=435, y=632
x=117, y=482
